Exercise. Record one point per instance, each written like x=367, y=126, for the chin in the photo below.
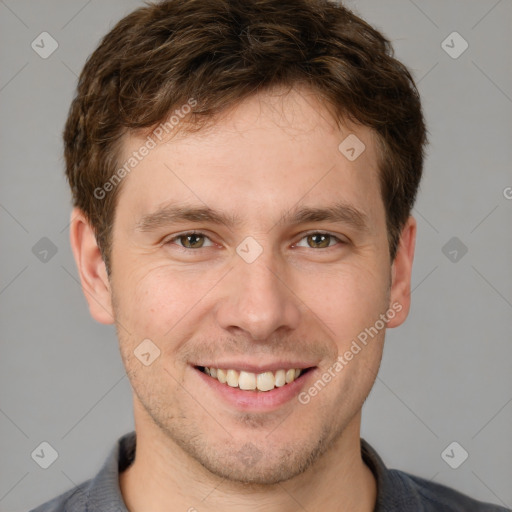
x=261, y=464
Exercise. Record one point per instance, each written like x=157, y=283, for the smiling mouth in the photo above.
x=248, y=381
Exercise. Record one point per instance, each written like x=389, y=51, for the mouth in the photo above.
x=255, y=381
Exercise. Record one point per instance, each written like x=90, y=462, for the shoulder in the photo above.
x=101, y=493
x=398, y=490
x=74, y=500
x=439, y=498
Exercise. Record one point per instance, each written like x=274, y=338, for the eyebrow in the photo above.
x=175, y=213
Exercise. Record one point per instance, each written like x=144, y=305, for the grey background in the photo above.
x=446, y=373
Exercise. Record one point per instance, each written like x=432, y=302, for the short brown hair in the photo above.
x=220, y=52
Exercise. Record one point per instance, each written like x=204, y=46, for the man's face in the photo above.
x=267, y=293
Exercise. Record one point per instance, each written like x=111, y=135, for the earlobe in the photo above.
x=91, y=268
x=400, y=295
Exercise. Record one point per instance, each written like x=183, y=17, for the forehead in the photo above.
x=264, y=156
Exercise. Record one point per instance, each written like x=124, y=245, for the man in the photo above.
x=243, y=173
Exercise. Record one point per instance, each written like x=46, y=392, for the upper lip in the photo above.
x=258, y=368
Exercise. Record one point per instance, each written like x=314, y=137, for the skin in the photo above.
x=297, y=300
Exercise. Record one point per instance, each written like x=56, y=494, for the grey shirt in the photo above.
x=396, y=490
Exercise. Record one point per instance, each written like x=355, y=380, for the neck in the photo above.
x=164, y=474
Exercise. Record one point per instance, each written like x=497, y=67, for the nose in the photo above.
x=259, y=299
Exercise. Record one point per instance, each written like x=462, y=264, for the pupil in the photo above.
x=193, y=236
x=321, y=236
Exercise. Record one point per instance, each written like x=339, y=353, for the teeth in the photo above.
x=221, y=375
x=232, y=378
x=265, y=381
x=280, y=378
x=247, y=380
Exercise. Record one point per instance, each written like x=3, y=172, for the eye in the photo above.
x=196, y=240
x=320, y=240
x=192, y=240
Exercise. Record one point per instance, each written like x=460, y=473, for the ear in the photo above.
x=400, y=294
x=91, y=268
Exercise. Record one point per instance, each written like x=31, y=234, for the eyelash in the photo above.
x=180, y=235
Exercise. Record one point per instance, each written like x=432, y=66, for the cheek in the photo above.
x=346, y=299
x=159, y=302
x=143, y=302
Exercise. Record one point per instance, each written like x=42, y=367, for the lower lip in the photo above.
x=256, y=401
